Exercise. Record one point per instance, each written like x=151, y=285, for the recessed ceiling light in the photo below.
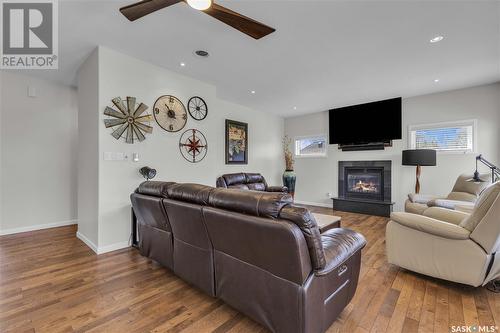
x=436, y=80
x=436, y=39
x=253, y=91
x=201, y=53
x=183, y=64
x=295, y=108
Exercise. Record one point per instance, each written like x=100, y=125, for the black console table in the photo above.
x=363, y=206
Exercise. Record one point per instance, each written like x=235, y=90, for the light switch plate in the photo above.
x=115, y=156
x=31, y=91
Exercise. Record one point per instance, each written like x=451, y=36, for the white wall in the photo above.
x=88, y=150
x=38, y=154
x=318, y=176
x=121, y=75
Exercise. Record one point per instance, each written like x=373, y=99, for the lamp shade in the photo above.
x=422, y=157
x=147, y=172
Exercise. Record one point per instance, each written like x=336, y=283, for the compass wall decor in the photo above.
x=193, y=145
x=130, y=121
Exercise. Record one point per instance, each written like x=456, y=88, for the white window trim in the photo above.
x=447, y=124
x=323, y=155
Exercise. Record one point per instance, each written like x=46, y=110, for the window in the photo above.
x=446, y=137
x=310, y=146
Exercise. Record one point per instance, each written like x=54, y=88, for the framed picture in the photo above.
x=236, y=142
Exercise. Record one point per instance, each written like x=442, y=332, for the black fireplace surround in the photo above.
x=364, y=187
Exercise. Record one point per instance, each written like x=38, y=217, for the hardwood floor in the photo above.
x=51, y=282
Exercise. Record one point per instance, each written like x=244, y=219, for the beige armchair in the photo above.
x=449, y=244
x=462, y=197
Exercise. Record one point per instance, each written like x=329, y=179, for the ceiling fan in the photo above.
x=242, y=23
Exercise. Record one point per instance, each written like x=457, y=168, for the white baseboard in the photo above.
x=87, y=241
x=37, y=227
x=103, y=249
x=113, y=247
x=318, y=204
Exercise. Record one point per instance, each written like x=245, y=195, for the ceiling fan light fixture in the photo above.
x=200, y=4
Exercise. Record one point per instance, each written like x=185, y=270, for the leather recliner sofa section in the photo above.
x=248, y=181
x=255, y=250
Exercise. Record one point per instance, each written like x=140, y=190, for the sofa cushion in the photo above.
x=235, y=178
x=255, y=178
x=154, y=188
x=462, y=196
x=256, y=186
x=482, y=206
x=307, y=224
x=254, y=203
x=239, y=187
x=193, y=193
x=463, y=185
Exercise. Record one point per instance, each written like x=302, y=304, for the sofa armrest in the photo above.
x=421, y=198
x=339, y=245
x=430, y=225
x=283, y=189
x=447, y=215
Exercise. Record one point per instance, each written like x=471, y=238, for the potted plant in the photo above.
x=289, y=176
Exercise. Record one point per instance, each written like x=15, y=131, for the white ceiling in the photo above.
x=324, y=54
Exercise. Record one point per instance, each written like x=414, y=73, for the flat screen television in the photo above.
x=374, y=122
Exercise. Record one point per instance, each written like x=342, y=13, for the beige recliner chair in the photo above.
x=448, y=244
x=462, y=197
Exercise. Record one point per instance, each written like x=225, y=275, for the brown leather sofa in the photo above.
x=248, y=181
x=255, y=250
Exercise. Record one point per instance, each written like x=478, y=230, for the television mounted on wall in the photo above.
x=370, y=124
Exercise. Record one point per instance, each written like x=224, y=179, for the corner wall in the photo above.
x=121, y=75
x=38, y=154
x=318, y=176
x=88, y=151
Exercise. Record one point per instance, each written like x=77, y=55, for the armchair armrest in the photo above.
x=283, y=189
x=447, y=215
x=430, y=225
x=422, y=198
x=339, y=244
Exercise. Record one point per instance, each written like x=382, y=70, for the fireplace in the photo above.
x=364, y=187
x=364, y=183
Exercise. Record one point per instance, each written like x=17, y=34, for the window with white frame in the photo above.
x=310, y=146
x=457, y=136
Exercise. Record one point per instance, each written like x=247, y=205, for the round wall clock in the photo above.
x=193, y=145
x=197, y=108
x=170, y=113
x=130, y=121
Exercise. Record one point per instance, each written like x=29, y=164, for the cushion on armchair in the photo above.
x=482, y=206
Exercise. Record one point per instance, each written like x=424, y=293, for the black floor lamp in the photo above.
x=495, y=172
x=419, y=158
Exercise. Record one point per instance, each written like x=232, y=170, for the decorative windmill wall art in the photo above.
x=130, y=121
x=193, y=145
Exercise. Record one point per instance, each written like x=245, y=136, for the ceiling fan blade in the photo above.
x=145, y=7
x=242, y=23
